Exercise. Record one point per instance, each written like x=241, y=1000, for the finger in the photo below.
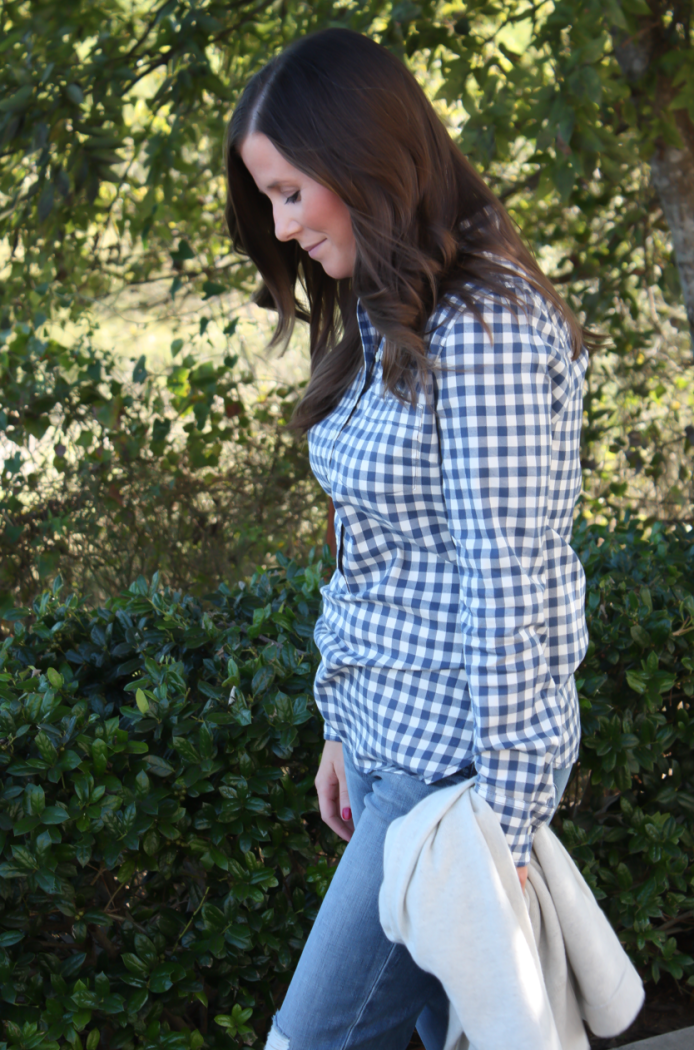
x=329, y=804
x=345, y=807
x=344, y=829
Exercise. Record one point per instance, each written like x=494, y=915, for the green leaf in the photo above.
x=137, y=1001
x=134, y=963
x=142, y=784
x=35, y=799
x=99, y=751
x=142, y=701
x=638, y=681
x=55, y=678
x=11, y=937
x=212, y=288
x=159, y=766
x=127, y=870
x=182, y=254
x=72, y=965
x=140, y=371
x=75, y=94
x=161, y=979
x=186, y=750
x=18, y=100
x=640, y=636
x=23, y=827
x=235, y=1022
x=54, y=815
x=136, y=747
x=46, y=748
x=150, y=843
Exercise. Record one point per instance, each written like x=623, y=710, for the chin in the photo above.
x=338, y=273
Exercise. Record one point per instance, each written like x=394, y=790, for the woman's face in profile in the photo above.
x=303, y=209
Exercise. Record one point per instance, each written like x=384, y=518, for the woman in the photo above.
x=443, y=415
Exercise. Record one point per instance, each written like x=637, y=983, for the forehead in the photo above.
x=266, y=164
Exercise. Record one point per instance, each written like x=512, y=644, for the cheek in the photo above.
x=334, y=216
x=346, y=231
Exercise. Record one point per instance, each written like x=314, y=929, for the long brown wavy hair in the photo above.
x=349, y=114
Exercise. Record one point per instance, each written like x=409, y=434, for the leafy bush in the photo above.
x=112, y=199
x=157, y=828
x=161, y=857
x=106, y=476
x=628, y=816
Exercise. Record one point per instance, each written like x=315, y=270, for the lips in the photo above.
x=313, y=246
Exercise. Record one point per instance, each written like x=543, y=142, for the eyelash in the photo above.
x=293, y=199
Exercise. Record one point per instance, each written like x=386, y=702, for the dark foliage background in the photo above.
x=580, y=115
x=184, y=470
x=628, y=814
x=161, y=858
x=157, y=818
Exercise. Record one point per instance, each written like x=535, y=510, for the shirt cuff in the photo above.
x=330, y=734
x=515, y=823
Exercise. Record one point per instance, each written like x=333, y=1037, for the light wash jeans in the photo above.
x=353, y=989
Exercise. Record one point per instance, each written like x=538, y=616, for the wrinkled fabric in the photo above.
x=540, y=963
x=455, y=619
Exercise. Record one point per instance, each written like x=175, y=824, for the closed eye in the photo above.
x=293, y=199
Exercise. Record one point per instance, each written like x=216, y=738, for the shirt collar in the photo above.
x=435, y=328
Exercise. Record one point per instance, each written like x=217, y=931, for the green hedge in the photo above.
x=628, y=815
x=158, y=823
x=161, y=857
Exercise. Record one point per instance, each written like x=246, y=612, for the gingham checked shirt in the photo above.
x=454, y=621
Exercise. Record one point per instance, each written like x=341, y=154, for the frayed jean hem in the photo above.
x=276, y=1040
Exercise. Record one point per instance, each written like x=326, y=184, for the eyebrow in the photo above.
x=276, y=185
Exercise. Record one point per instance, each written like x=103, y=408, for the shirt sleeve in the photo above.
x=494, y=413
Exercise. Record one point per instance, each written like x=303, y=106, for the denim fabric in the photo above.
x=353, y=989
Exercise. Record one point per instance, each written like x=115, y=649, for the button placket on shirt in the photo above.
x=366, y=377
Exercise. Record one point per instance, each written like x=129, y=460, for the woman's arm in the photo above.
x=331, y=783
x=494, y=409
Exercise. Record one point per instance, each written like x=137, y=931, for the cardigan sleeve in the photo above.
x=495, y=404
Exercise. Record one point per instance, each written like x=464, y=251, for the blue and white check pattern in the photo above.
x=455, y=619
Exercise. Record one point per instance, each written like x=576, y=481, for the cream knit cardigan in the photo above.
x=520, y=972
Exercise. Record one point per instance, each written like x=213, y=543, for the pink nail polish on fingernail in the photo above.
x=346, y=813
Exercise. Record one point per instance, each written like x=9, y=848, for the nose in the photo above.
x=286, y=226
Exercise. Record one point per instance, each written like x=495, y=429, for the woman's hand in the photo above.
x=523, y=875
x=331, y=786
